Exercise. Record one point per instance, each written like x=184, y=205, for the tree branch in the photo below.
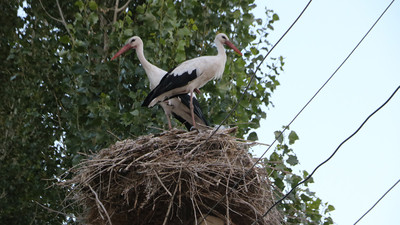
x=105, y=35
x=51, y=210
x=100, y=205
x=118, y=10
x=48, y=14
x=124, y=6
x=64, y=22
x=115, y=14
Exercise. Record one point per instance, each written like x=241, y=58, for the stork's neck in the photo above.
x=146, y=65
x=154, y=74
x=221, y=51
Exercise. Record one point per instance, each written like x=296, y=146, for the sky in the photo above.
x=367, y=165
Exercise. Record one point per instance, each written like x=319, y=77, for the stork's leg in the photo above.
x=166, y=107
x=197, y=91
x=192, y=109
x=169, y=120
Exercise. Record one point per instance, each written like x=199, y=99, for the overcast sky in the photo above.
x=368, y=164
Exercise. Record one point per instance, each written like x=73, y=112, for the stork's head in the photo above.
x=133, y=42
x=223, y=39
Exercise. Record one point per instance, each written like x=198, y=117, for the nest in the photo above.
x=175, y=177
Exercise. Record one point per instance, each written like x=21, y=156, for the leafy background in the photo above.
x=62, y=98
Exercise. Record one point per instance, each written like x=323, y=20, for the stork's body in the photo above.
x=191, y=75
x=179, y=106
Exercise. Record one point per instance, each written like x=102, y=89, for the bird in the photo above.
x=179, y=106
x=191, y=75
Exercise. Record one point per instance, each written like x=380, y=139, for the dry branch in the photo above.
x=151, y=181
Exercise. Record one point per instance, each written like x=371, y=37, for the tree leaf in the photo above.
x=78, y=69
x=330, y=208
x=252, y=136
x=80, y=5
x=64, y=39
x=128, y=32
x=278, y=136
x=93, y=18
x=135, y=112
x=293, y=137
x=183, y=32
x=93, y=5
x=292, y=160
x=275, y=17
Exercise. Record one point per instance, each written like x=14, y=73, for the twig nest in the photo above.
x=175, y=177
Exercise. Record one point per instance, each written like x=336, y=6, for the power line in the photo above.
x=316, y=95
x=286, y=127
x=316, y=168
x=241, y=98
x=377, y=201
x=258, y=68
x=326, y=82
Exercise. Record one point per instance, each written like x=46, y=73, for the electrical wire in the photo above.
x=241, y=98
x=257, y=69
x=316, y=168
x=286, y=127
x=377, y=202
x=366, y=34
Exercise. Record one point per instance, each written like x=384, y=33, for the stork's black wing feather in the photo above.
x=185, y=99
x=169, y=82
x=186, y=123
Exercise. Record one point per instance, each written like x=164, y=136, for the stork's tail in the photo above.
x=149, y=99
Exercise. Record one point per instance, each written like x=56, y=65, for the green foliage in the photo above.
x=293, y=137
x=302, y=206
x=162, y=28
x=61, y=96
x=252, y=136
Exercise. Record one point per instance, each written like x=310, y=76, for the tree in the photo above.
x=61, y=96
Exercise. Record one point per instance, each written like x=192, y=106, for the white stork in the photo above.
x=191, y=75
x=178, y=106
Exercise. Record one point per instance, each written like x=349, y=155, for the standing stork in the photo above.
x=191, y=75
x=178, y=106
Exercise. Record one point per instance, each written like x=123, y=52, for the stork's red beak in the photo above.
x=230, y=45
x=121, y=51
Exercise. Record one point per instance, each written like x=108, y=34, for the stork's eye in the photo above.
x=224, y=37
x=133, y=40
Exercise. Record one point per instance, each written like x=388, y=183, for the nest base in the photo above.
x=175, y=177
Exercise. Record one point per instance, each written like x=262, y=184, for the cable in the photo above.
x=258, y=68
x=326, y=82
x=377, y=201
x=309, y=176
x=286, y=127
x=241, y=98
x=314, y=97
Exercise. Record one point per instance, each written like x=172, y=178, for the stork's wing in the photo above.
x=170, y=82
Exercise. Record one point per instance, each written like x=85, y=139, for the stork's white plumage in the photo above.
x=191, y=75
x=178, y=106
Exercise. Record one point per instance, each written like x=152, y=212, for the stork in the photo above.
x=178, y=106
x=191, y=75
